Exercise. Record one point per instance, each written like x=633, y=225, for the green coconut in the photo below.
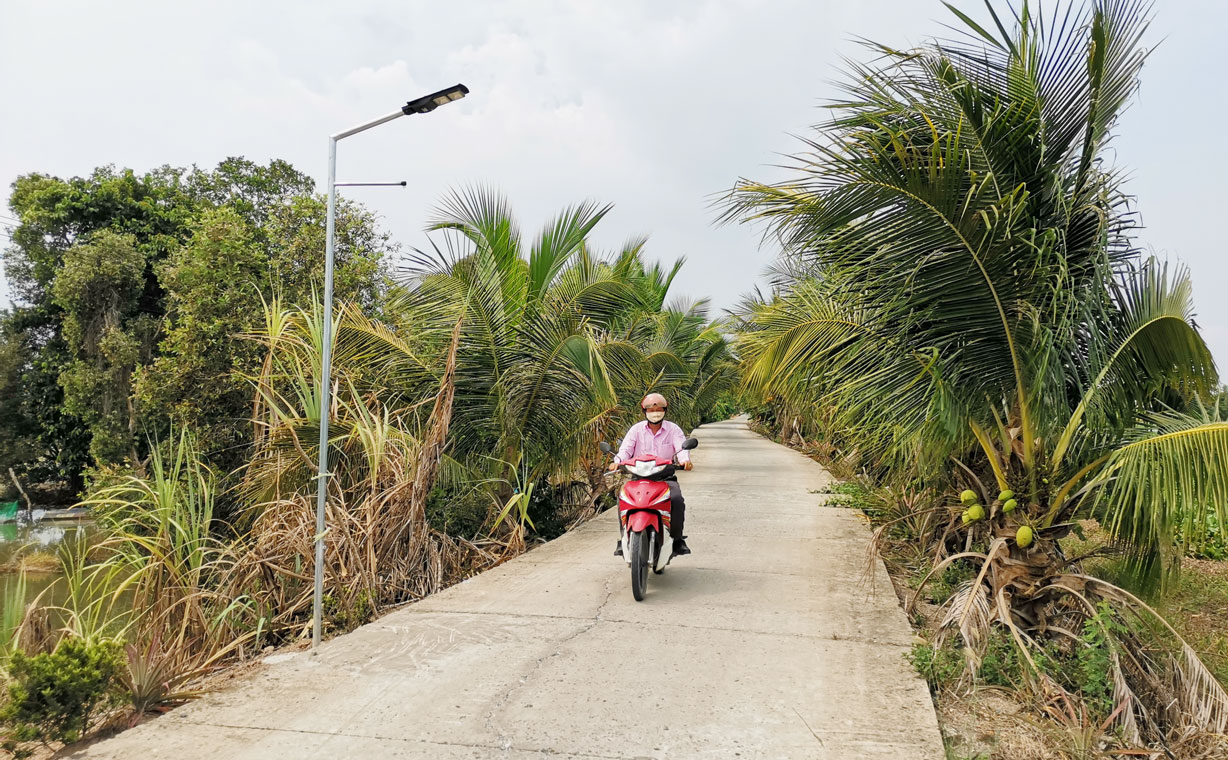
x=1009, y=505
x=968, y=498
x=976, y=512
x=1023, y=536
x=965, y=517
x=1006, y=495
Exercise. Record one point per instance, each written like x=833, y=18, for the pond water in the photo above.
x=18, y=540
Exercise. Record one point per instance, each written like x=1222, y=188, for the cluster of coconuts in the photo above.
x=974, y=512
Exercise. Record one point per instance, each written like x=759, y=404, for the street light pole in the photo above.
x=425, y=104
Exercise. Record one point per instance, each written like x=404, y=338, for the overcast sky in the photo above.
x=652, y=106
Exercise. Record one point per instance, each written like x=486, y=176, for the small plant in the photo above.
x=855, y=495
x=940, y=666
x=155, y=676
x=954, y=575
x=1094, y=659
x=1001, y=665
x=56, y=696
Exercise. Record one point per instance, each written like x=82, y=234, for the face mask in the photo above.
x=654, y=417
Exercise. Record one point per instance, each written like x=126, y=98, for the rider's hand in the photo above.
x=687, y=465
x=613, y=466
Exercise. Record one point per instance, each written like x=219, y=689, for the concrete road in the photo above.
x=765, y=643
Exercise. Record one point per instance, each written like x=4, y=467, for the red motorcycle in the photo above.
x=643, y=513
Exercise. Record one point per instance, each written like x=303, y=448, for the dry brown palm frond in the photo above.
x=1128, y=704
x=937, y=568
x=969, y=611
x=379, y=549
x=1201, y=703
x=1204, y=704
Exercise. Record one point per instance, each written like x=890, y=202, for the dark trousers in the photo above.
x=677, y=509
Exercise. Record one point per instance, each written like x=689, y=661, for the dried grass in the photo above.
x=379, y=549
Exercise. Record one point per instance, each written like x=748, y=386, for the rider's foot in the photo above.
x=618, y=550
x=680, y=547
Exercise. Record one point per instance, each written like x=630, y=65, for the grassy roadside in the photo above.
x=998, y=716
x=1197, y=606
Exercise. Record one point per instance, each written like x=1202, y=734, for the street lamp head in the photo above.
x=429, y=103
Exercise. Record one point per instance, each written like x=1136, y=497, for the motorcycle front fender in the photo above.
x=638, y=522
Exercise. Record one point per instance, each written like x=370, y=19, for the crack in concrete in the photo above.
x=489, y=718
x=404, y=740
x=807, y=725
x=868, y=641
x=595, y=563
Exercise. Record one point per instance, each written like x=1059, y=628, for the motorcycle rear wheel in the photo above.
x=639, y=562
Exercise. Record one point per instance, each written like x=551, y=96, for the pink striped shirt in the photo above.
x=665, y=444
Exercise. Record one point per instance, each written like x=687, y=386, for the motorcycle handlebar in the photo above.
x=622, y=469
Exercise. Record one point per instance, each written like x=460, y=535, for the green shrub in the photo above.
x=1093, y=660
x=548, y=510
x=954, y=575
x=1002, y=663
x=941, y=667
x=54, y=697
x=351, y=612
x=725, y=407
x=460, y=513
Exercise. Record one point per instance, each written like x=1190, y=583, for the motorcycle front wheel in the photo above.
x=639, y=562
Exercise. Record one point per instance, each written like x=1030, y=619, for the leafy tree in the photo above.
x=134, y=291
x=17, y=434
x=57, y=215
x=253, y=191
x=217, y=285
x=558, y=344
x=98, y=288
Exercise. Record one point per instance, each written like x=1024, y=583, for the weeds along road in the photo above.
x=767, y=642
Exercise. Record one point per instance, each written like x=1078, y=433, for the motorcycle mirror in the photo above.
x=605, y=448
x=689, y=444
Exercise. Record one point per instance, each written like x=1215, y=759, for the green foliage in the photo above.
x=855, y=495
x=217, y=285
x=1093, y=660
x=347, y=614
x=98, y=288
x=960, y=280
x=941, y=667
x=460, y=511
x=135, y=291
x=953, y=576
x=57, y=216
x=548, y=510
x=1083, y=669
x=56, y=696
x=727, y=405
x=1002, y=664
x=558, y=342
x=17, y=431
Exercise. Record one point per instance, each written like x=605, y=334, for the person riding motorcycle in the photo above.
x=655, y=436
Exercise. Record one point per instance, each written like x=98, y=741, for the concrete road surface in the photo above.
x=765, y=643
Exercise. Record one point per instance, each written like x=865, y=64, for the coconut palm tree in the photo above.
x=962, y=282
x=557, y=341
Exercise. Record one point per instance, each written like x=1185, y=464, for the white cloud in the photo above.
x=652, y=106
